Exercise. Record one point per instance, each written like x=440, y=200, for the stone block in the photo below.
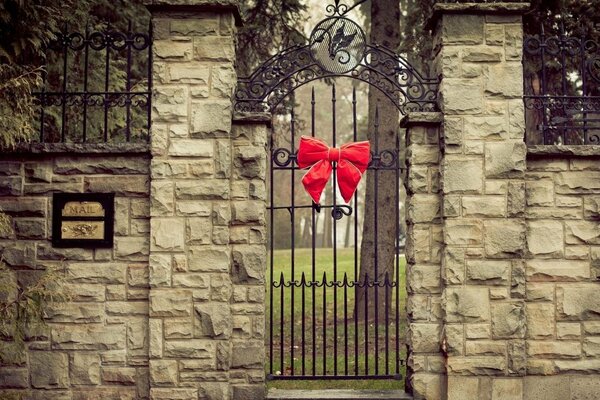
x=187, y=349
x=577, y=182
x=173, y=50
x=422, y=154
x=194, y=73
x=214, y=320
x=557, y=270
x=504, y=238
x=49, y=370
x=545, y=238
x=11, y=186
x=505, y=159
x=461, y=96
x=124, y=186
x=170, y=303
x=516, y=199
x=477, y=365
x=568, y=330
x=462, y=175
x=213, y=48
x=223, y=81
x=585, y=387
x=546, y=387
x=198, y=231
x=97, y=273
x=25, y=207
x=247, y=354
x=553, y=349
x=424, y=279
x=423, y=208
x=163, y=372
x=486, y=128
x=540, y=292
x=248, y=392
x=467, y=304
x=210, y=119
x=173, y=394
x=478, y=331
x=248, y=212
x=462, y=29
x=540, y=193
x=484, y=206
x=201, y=25
x=488, y=272
x=428, y=386
x=518, y=278
x=540, y=320
x=125, y=376
x=508, y=320
x=167, y=234
x=206, y=189
x=159, y=270
x=500, y=80
x=132, y=248
x=249, y=263
x=191, y=148
x=79, y=313
x=507, y=389
x=582, y=232
x=209, y=259
x=13, y=378
x=485, y=348
x=424, y=338
x=463, y=232
x=577, y=301
x=91, y=337
x=30, y=228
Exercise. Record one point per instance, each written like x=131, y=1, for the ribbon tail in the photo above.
x=348, y=178
x=316, y=178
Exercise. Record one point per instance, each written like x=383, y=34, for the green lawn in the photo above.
x=350, y=333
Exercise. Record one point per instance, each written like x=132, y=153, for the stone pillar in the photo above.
x=207, y=251
x=478, y=56
x=426, y=368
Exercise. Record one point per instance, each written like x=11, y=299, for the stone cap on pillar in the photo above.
x=421, y=118
x=196, y=5
x=498, y=8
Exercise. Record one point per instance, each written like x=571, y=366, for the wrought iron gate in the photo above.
x=314, y=326
x=319, y=301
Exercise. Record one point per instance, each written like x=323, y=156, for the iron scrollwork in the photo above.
x=337, y=48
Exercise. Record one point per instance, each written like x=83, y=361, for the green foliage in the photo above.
x=27, y=28
x=16, y=103
x=269, y=26
x=22, y=306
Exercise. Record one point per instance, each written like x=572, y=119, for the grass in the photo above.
x=337, y=305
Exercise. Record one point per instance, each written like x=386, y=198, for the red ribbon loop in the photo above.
x=352, y=160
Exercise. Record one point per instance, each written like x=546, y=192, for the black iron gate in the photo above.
x=314, y=327
x=321, y=323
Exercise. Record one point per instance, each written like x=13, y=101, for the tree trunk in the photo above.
x=385, y=16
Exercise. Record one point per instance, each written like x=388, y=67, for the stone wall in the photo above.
x=207, y=241
x=98, y=343
x=425, y=364
x=562, y=269
x=518, y=307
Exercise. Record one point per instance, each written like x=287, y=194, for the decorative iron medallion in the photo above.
x=338, y=44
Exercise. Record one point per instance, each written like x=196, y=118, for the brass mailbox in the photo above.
x=83, y=220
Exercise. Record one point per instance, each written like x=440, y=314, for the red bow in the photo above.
x=352, y=160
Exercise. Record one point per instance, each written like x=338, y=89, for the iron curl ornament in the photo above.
x=337, y=47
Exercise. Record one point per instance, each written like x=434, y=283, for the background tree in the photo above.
x=384, y=30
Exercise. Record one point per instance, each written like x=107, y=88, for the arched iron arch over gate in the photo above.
x=337, y=48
